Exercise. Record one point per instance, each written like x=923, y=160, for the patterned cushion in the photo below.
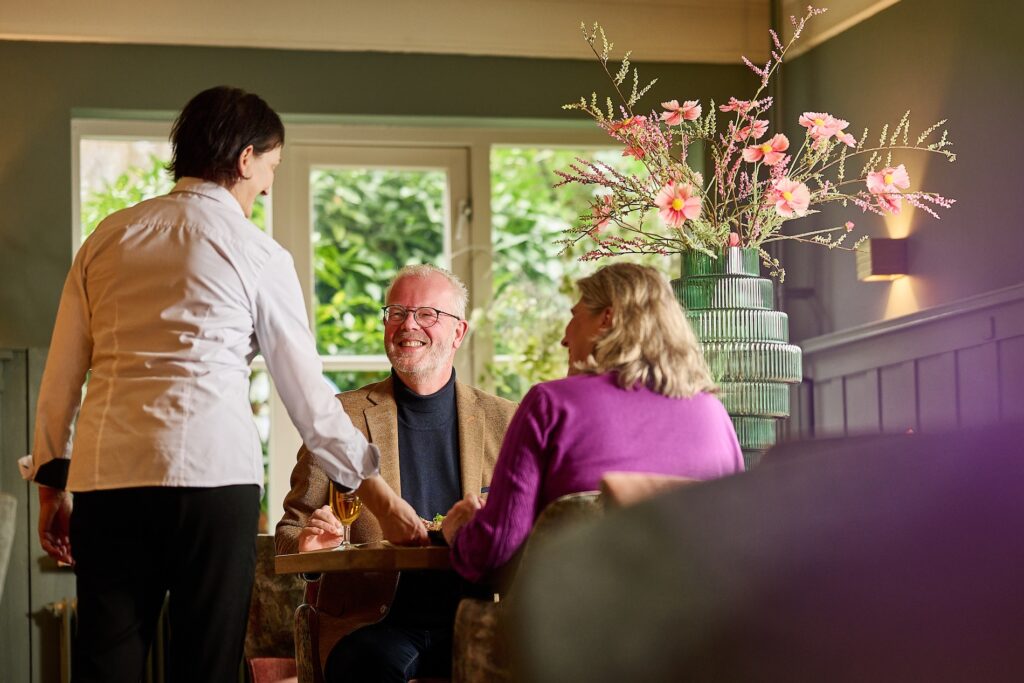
x=272, y=609
x=272, y=670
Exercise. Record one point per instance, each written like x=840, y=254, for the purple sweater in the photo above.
x=567, y=433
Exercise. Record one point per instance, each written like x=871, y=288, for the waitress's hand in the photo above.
x=461, y=513
x=54, y=523
x=322, y=531
x=398, y=521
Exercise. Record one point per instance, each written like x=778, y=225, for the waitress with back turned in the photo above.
x=164, y=308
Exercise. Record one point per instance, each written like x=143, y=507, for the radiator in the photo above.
x=156, y=663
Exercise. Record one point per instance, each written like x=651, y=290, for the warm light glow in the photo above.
x=902, y=298
x=898, y=226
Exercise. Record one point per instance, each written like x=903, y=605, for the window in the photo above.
x=532, y=287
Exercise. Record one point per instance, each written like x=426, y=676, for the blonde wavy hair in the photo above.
x=649, y=341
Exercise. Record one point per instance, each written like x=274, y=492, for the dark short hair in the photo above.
x=213, y=129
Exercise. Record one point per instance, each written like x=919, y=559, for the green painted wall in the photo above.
x=41, y=83
x=941, y=59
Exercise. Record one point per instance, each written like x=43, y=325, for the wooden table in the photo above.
x=367, y=558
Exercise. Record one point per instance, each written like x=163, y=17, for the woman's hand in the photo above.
x=322, y=531
x=398, y=521
x=54, y=523
x=461, y=513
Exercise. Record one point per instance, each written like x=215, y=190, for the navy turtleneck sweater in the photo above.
x=428, y=448
x=428, y=456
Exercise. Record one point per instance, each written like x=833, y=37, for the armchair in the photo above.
x=329, y=612
x=479, y=650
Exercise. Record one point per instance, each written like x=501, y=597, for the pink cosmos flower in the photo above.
x=849, y=226
x=755, y=130
x=822, y=126
x=846, y=139
x=631, y=122
x=790, y=197
x=892, y=203
x=736, y=105
x=677, y=203
x=889, y=179
x=676, y=113
x=634, y=151
x=772, y=152
x=602, y=212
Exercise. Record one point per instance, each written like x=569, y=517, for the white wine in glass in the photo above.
x=346, y=506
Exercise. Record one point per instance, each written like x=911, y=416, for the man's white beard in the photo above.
x=435, y=358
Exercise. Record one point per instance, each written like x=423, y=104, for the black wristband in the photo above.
x=54, y=473
x=339, y=487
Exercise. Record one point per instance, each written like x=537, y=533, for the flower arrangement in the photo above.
x=757, y=182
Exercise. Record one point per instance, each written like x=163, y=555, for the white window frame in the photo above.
x=289, y=223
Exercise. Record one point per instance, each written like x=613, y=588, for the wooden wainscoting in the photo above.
x=958, y=365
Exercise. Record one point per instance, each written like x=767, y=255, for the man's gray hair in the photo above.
x=424, y=270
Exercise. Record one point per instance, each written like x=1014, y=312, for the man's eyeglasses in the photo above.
x=425, y=316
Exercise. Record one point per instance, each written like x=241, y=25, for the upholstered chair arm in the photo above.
x=478, y=650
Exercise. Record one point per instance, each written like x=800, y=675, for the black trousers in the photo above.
x=132, y=547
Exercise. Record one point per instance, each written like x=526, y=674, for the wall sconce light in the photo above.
x=882, y=259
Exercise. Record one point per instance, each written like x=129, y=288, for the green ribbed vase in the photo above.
x=745, y=340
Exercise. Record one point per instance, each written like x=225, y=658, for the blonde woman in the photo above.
x=638, y=398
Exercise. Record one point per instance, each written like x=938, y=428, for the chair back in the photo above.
x=565, y=511
x=622, y=489
x=8, y=508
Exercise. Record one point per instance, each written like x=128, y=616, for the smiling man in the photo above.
x=438, y=441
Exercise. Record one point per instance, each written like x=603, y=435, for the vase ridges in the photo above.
x=756, y=432
x=739, y=324
x=755, y=399
x=752, y=457
x=732, y=261
x=716, y=291
x=754, y=361
x=745, y=341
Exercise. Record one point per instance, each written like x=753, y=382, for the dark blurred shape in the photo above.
x=873, y=559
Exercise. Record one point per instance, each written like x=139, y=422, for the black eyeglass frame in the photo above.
x=415, y=314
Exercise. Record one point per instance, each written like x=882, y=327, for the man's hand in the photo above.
x=54, y=522
x=322, y=531
x=461, y=513
x=398, y=521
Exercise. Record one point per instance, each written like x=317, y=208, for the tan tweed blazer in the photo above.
x=364, y=598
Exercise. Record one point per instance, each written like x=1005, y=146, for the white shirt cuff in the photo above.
x=27, y=468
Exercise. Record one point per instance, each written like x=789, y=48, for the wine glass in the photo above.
x=346, y=506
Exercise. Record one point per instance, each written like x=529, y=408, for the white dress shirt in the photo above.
x=165, y=306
